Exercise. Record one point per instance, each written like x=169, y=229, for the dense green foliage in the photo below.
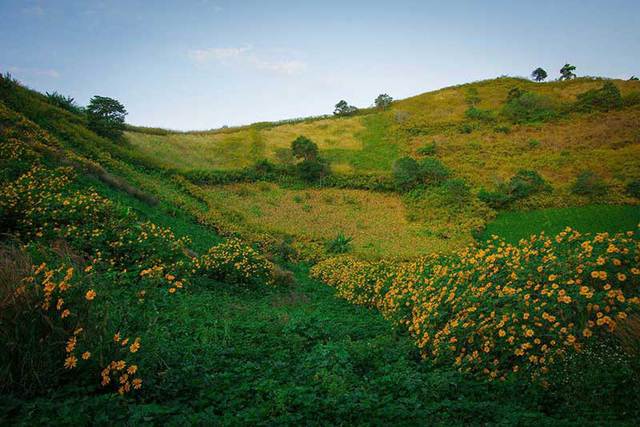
x=539, y=74
x=589, y=184
x=522, y=185
x=106, y=116
x=528, y=107
x=606, y=98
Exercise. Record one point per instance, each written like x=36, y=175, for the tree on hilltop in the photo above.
x=539, y=74
x=567, y=72
x=106, y=116
x=383, y=101
x=342, y=108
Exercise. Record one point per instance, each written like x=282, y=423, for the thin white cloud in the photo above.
x=36, y=10
x=45, y=72
x=246, y=56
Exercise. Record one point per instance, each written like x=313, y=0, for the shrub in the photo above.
x=342, y=108
x=304, y=148
x=433, y=171
x=589, y=184
x=406, y=173
x=474, y=113
x=465, y=128
x=64, y=102
x=456, y=192
x=312, y=170
x=339, y=245
x=604, y=99
x=236, y=262
x=633, y=98
x=528, y=107
x=633, y=188
x=522, y=185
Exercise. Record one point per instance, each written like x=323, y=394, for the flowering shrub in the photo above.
x=235, y=262
x=503, y=308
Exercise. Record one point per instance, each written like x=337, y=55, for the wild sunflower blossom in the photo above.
x=492, y=310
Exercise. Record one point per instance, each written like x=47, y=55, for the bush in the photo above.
x=633, y=189
x=433, y=171
x=522, y=185
x=456, y=192
x=631, y=99
x=312, y=170
x=604, y=99
x=303, y=148
x=474, y=113
x=64, y=102
x=339, y=245
x=589, y=184
x=528, y=107
x=236, y=262
x=406, y=173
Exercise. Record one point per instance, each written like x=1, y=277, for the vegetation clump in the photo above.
x=528, y=107
x=106, y=117
x=409, y=173
x=606, y=98
x=502, y=310
x=590, y=184
x=522, y=185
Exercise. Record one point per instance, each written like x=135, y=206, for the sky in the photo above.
x=204, y=64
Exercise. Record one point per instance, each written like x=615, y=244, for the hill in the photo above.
x=136, y=289
x=465, y=128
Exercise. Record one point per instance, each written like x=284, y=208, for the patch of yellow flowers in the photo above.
x=500, y=308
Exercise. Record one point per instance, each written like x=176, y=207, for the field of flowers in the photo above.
x=81, y=275
x=500, y=308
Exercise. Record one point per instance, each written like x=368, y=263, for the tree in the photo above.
x=106, y=116
x=383, y=101
x=567, y=72
x=304, y=148
x=539, y=74
x=312, y=167
x=64, y=102
x=633, y=78
x=342, y=108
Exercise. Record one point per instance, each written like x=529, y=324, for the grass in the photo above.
x=283, y=357
x=377, y=222
x=513, y=226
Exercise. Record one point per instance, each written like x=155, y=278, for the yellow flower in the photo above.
x=587, y=332
x=70, y=362
x=116, y=337
x=137, y=383
x=135, y=346
x=132, y=369
x=90, y=295
x=65, y=313
x=622, y=277
x=86, y=355
x=88, y=268
x=172, y=290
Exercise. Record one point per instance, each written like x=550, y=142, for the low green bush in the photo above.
x=606, y=98
x=589, y=184
x=529, y=107
x=522, y=185
x=340, y=244
x=633, y=188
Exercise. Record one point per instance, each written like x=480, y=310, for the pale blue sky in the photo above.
x=202, y=64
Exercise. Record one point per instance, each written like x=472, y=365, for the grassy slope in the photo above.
x=272, y=356
x=513, y=226
x=369, y=143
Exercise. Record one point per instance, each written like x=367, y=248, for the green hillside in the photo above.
x=204, y=278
